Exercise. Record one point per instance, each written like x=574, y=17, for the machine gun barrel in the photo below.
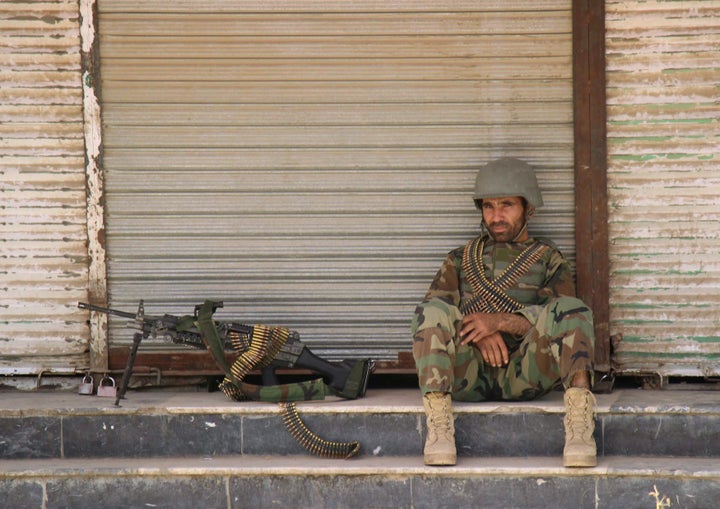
x=92, y=307
x=165, y=327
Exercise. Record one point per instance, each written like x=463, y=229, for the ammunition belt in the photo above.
x=489, y=296
x=257, y=351
x=312, y=442
x=258, y=346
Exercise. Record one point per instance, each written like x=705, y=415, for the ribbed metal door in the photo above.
x=663, y=185
x=311, y=163
x=43, y=257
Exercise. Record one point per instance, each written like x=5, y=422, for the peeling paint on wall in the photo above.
x=42, y=196
x=663, y=185
x=92, y=119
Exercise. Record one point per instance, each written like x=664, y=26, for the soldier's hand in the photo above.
x=477, y=326
x=493, y=350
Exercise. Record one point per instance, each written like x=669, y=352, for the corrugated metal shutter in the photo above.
x=44, y=255
x=663, y=181
x=311, y=162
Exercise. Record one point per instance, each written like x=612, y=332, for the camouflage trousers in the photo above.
x=560, y=344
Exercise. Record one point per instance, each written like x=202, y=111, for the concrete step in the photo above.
x=387, y=422
x=248, y=482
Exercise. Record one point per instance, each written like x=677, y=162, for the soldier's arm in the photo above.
x=446, y=284
x=479, y=325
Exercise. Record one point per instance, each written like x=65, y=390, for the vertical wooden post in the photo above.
x=94, y=178
x=591, y=208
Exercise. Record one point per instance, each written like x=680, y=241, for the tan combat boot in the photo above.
x=440, y=439
x=580, y=449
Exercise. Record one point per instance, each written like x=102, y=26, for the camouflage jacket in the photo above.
x=549, y=277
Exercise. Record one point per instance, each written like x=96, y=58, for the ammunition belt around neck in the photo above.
x=490, y=296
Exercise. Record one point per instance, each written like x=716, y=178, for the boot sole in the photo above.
x=440, y=460
x=579, y=461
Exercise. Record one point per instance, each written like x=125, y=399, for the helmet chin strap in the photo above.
x=520, y=233
x=529, y=212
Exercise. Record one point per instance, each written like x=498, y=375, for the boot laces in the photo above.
x=577, y=413
x=441, y=417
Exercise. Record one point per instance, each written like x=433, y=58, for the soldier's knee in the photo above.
x=435, y=313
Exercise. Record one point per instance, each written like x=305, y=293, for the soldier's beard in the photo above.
x=505, y=232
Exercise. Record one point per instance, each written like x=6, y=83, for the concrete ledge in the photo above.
x=393, y=482
x=249, y=465
x=386, y=423
x=624, y=401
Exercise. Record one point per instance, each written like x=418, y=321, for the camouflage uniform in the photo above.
x=559, y=344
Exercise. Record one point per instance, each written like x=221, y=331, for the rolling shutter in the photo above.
x=310, y=163
x=42, y=177
x=663, y=184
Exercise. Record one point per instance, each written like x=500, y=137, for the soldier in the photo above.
x=501, y=321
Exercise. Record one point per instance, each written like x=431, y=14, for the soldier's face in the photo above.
x=505, y=218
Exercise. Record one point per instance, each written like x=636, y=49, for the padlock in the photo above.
x=107, y=391
x=86, y=386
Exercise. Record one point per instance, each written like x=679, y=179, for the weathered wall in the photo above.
x=43, y=261
x=663, y=178
x=663, y=182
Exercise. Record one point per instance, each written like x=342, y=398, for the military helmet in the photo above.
x=507, y=176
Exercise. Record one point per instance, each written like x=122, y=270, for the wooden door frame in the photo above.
x=591, y=208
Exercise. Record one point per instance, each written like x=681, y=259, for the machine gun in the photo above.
x=258, y=346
